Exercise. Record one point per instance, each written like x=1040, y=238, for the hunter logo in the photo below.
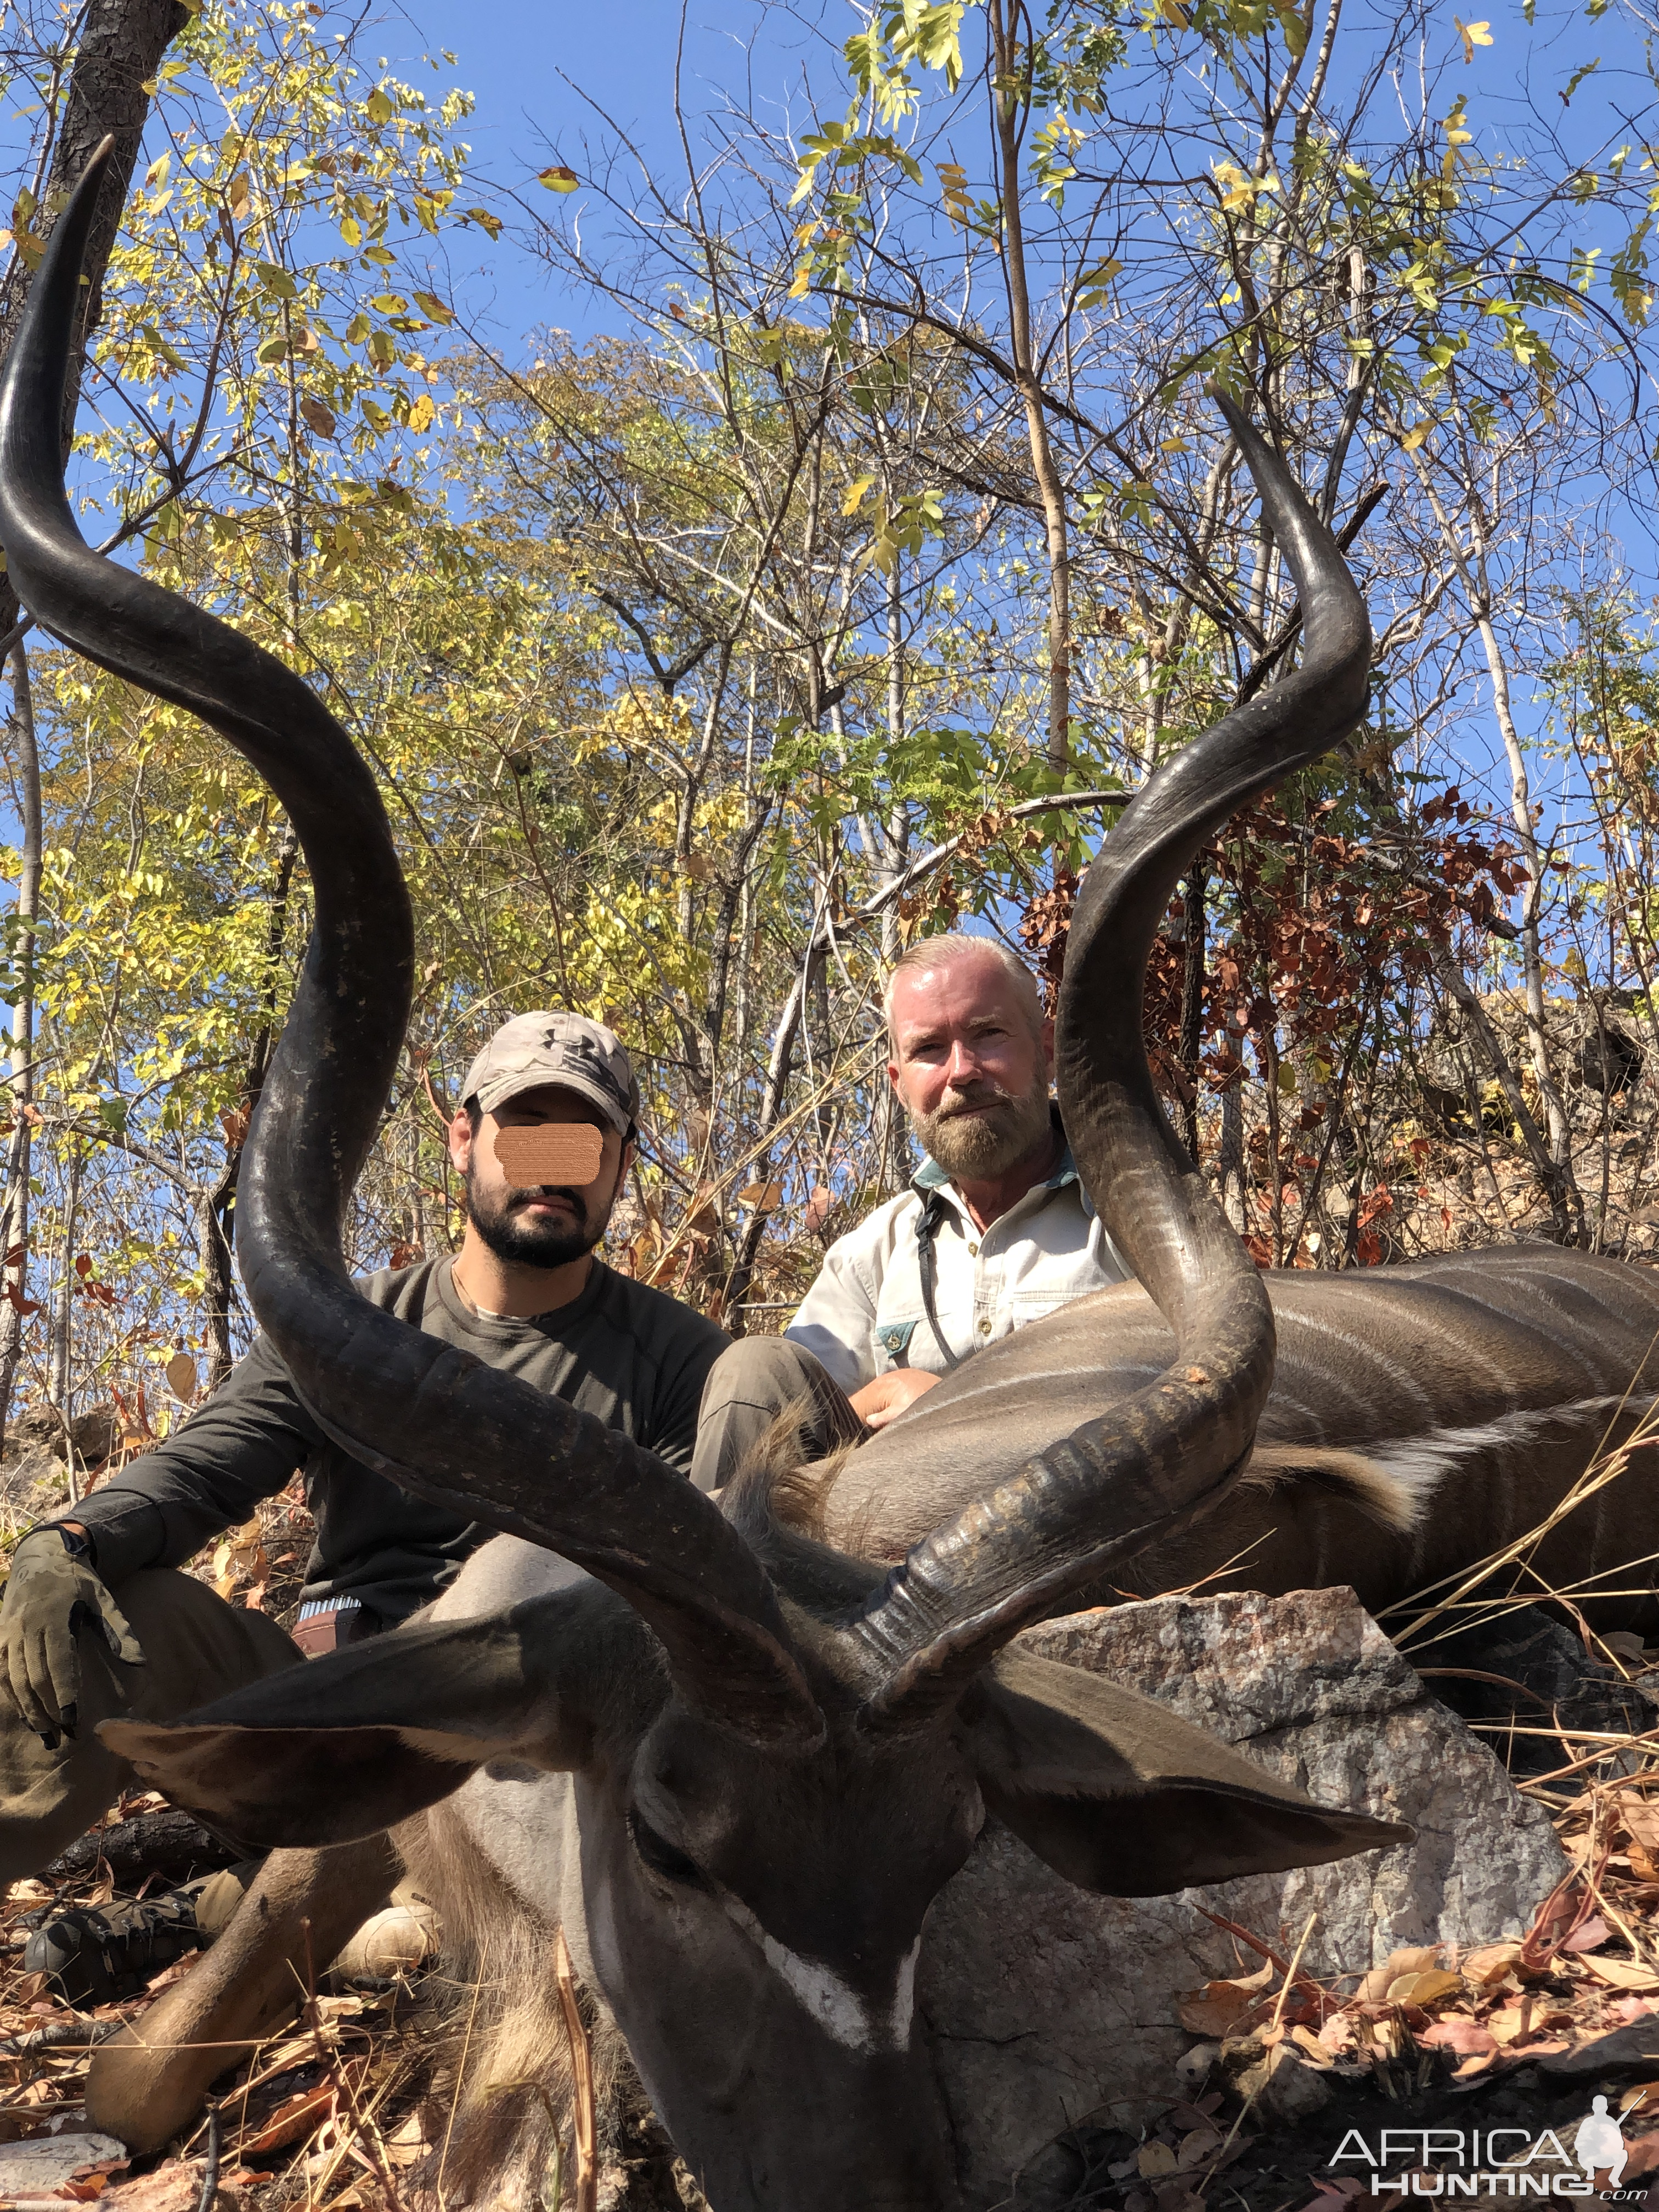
x=582, y=1056
x=1453, y=2162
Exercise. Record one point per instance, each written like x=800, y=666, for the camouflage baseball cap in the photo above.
x=566, y=1049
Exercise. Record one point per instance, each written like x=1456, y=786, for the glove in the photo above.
x=51, y=1596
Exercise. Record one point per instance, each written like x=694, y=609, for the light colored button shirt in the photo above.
x=864, y=1314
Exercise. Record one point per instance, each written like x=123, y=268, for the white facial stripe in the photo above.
x=838, y=2008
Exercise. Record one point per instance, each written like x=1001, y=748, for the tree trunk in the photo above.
x=1192, y=1000
x=1555, y=1159
x=1010, y=108
x=122, y=43
x=62, y=1320
x=15, y=1213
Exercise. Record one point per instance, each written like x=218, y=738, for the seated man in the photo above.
x=96, y=1621
x=996, y=1230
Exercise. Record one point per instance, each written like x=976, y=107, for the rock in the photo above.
x=1047, y=2008
x=33, y=1481
x=1552, y=1672
x=1635, y=2046
x=1283, y=2088
x=36, y=2169
x=95, y=1434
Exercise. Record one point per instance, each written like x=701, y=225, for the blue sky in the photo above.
x=528, y=66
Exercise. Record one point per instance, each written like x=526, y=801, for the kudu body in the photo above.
x=777, y=1755
x=1422, y=1418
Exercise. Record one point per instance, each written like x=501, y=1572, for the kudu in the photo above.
x=777, y=1755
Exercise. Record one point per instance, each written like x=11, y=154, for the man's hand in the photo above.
x=886, y=1398
x=49, y=1596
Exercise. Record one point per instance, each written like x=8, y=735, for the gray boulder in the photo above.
x=1046, y=2008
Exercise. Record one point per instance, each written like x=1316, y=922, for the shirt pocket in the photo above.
x=894, y=1339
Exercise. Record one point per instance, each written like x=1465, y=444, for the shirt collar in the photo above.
x=930, y=1176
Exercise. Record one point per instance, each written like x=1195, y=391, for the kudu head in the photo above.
x=779, y=1760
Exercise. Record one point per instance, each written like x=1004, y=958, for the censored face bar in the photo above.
x=565, y=1152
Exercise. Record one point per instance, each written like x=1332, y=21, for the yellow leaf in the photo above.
x=953, y=190
x=157, y=171
x=420, y=412
x=1473, y=35
x=1425, y=1989
x=1173, y=12
x=430, y=304
x=380, y=109
x=1413, y=437
x=854, y=499
x=803, y=278
x=559, y=180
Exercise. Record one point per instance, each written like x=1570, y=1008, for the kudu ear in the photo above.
x=1115, y=1792
x=350, y=1744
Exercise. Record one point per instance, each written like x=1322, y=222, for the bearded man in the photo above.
x=97, y=1620
x=996, y=1230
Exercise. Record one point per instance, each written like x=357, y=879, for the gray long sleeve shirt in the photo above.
x=635, y=1358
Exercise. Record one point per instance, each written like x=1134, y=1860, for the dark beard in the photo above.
x=522, y=1243
x=985, y=1146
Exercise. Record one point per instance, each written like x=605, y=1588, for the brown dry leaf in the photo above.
x=1431, y=1988
x=1465, y=2036
x=1622, y=1974
x=1154, y=2159
x=407, y=2142
x=1513, y=2021
x=1374, y=1990
x=1623, y=1642
x=295, y=2117
x=1218, y=2008
x=769, y=1196
x=1467, y=2068
x=1316, y=2052
x=1490, y=1963
x=1642, y=2099
x=180, y=1372
x=1589, y=1937
x=1193, y=2149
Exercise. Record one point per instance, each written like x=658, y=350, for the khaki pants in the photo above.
x=196, y=1648
x=749, y=1385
